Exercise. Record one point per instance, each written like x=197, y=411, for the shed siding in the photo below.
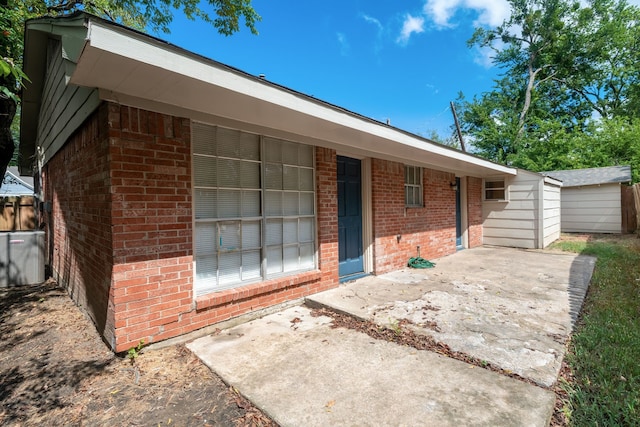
x=592, y=209
x=64, y=107
x=551, y=209
x=530, y=219
x=514, y=222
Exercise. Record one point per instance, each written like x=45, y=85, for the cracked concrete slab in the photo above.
x=302, y=372
x=509, y=307
x=513, y=308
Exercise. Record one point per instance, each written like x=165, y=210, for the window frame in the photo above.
x=504, y=188
x=208, y=220
x=411, y=187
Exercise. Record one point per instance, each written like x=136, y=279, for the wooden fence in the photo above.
x=630, y=208
x=17, y=214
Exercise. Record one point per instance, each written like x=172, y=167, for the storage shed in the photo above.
x=591, y=198
x=521, y=211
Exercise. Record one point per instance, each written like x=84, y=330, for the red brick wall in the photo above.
x=122, y=227
x=153, y=279
x=151, y=221
x=432, y=227
x=122, y=221
x=327, y=219
x=474, y=212
x=76, y=184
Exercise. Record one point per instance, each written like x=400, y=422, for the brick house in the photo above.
x=179, y=192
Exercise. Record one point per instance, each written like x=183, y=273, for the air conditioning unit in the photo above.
x=22, y=258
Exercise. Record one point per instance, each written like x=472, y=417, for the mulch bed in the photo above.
x=55, y=370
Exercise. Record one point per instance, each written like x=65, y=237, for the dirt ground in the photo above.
x=55, y=370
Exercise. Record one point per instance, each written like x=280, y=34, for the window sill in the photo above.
x=255, y=289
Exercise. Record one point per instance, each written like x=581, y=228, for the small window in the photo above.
x=413, y=186
x=495, y=189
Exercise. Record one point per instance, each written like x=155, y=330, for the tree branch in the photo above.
x=585, y=95
x=66, y=6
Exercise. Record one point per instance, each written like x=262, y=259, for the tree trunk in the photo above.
x=7, y=112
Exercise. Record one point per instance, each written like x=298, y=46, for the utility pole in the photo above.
x=455, y=119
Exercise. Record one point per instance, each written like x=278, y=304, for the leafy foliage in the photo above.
x=569, y=93
x=224, y=15
x=156, y=15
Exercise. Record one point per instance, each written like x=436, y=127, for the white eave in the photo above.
x=552, y=181
x=138, y=70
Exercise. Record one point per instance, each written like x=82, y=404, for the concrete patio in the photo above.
x=512, y=308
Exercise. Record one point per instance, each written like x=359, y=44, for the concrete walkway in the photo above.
x=509, y=307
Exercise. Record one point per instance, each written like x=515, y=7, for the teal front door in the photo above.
x=349, y=217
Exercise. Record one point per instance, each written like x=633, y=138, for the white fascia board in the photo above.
x=552, y=181
x=119, y=41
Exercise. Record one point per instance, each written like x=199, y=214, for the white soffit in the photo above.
x=121, y=61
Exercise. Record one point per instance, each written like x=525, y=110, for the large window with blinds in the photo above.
x=254, y=207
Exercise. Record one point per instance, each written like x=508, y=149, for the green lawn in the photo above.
x=604, y=353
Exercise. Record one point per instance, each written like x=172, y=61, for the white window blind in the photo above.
x=237, y=241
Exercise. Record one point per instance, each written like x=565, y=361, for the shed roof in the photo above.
x=15, y=185
x=592, y=176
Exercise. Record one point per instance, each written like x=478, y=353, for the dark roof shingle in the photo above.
x=592, y=176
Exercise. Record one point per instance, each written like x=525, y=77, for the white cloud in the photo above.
x=377, y=47
x=411, y=24
x=344, y=44
x=490, y=12
x=373, y=21
x=432, y=88
x=483, y=56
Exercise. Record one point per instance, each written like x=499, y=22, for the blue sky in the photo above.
x=397, y=60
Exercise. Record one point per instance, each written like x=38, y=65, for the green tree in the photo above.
x=601, y=54
x=569, y=72
x=156, y=15
x=528, y=48
x=449, y=141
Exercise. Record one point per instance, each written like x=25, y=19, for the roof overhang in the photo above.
x=135, y=69
x=552, y=181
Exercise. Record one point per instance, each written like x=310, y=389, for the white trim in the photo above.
x=552, y=181
x=366, y=192
x=541, y=223
x=464, y=212
x=367, y=215
x=505, y=188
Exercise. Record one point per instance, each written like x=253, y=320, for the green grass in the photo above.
x=604, y=353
